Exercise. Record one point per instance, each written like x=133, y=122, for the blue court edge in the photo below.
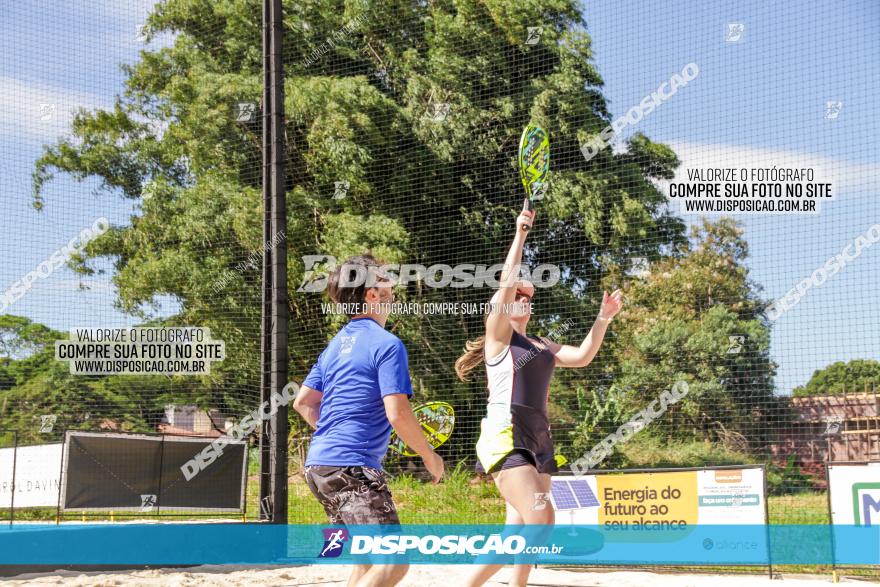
x=188, y=544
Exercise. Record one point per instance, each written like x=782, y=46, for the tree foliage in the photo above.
x=856, y=376
x=695, y=317
x=421, y=190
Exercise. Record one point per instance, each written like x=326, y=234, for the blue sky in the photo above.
x=758, y=101
x=67, y=54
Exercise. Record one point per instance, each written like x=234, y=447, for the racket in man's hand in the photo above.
x=437, y=420
x=534, y=163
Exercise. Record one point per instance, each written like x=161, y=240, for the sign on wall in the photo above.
x=37, y=476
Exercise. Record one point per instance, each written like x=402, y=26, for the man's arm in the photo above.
x=400, y=414
x=308, y=404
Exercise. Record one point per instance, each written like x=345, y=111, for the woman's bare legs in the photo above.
x=519, y=488
x=520, y=576
x=382, y=575
x=357, y=571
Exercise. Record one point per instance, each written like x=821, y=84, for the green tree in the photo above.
x=358, y=109
x=856, y=376
x=36, y=385
x=695, y=317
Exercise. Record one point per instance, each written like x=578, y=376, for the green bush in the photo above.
x=788, y=479
x=653, y=452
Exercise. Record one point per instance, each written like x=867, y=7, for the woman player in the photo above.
x=515, y=446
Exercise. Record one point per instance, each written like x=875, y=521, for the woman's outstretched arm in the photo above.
x=498, y=328
x=581, y=356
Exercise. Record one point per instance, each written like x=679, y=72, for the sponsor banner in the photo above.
x=854, y=497
x=37, y=476
x=661, y=499
x=855, y=493
x=194, y=544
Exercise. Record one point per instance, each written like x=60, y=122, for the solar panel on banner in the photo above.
x=563, y=497
x=582, y=493
x=572, y=495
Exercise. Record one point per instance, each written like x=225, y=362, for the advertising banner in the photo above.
x=667, y=505
x=37, y=476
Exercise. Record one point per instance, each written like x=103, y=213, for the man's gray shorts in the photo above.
x=352, y=495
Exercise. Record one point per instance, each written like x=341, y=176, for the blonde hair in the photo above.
x=474, y=349
x=472, y=357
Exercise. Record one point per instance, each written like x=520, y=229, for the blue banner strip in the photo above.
x=190, y=544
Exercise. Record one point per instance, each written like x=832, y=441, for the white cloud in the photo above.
x=24, y=116
x=128, y=11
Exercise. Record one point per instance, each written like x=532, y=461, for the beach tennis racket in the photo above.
x=437, y=420
x=534, y=163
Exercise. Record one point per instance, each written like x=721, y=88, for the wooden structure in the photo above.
x=843, y=427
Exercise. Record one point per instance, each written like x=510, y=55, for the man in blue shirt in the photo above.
x=355, y=393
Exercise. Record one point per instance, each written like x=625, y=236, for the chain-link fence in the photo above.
x=123, y=209
x=717, y=164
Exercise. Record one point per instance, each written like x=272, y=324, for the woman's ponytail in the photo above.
x=471, y=358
